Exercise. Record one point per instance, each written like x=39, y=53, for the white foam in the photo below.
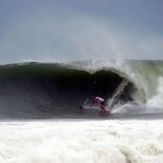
x=81, y=141
x=157, y=99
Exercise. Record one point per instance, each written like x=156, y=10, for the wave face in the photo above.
x=148, y=74
x=49, y=90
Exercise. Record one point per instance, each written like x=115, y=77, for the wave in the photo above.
x=49, y=90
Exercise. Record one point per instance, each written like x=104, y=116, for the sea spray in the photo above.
x=82, y=141
x=157, y=100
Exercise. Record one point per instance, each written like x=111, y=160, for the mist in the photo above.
x=62, y=34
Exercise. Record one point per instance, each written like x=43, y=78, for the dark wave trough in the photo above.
x=40, y=90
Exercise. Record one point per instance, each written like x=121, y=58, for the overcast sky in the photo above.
x=59, y=30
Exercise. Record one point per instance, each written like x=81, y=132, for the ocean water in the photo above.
x=41, y=120
x=90, y=141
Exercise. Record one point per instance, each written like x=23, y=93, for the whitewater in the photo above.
x=113, y=141
x=40, y=120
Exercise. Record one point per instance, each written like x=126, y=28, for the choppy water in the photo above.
x=72, y=141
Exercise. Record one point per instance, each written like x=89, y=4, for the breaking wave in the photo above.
x=49, y=90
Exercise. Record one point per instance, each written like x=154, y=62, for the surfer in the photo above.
x=98, y=101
